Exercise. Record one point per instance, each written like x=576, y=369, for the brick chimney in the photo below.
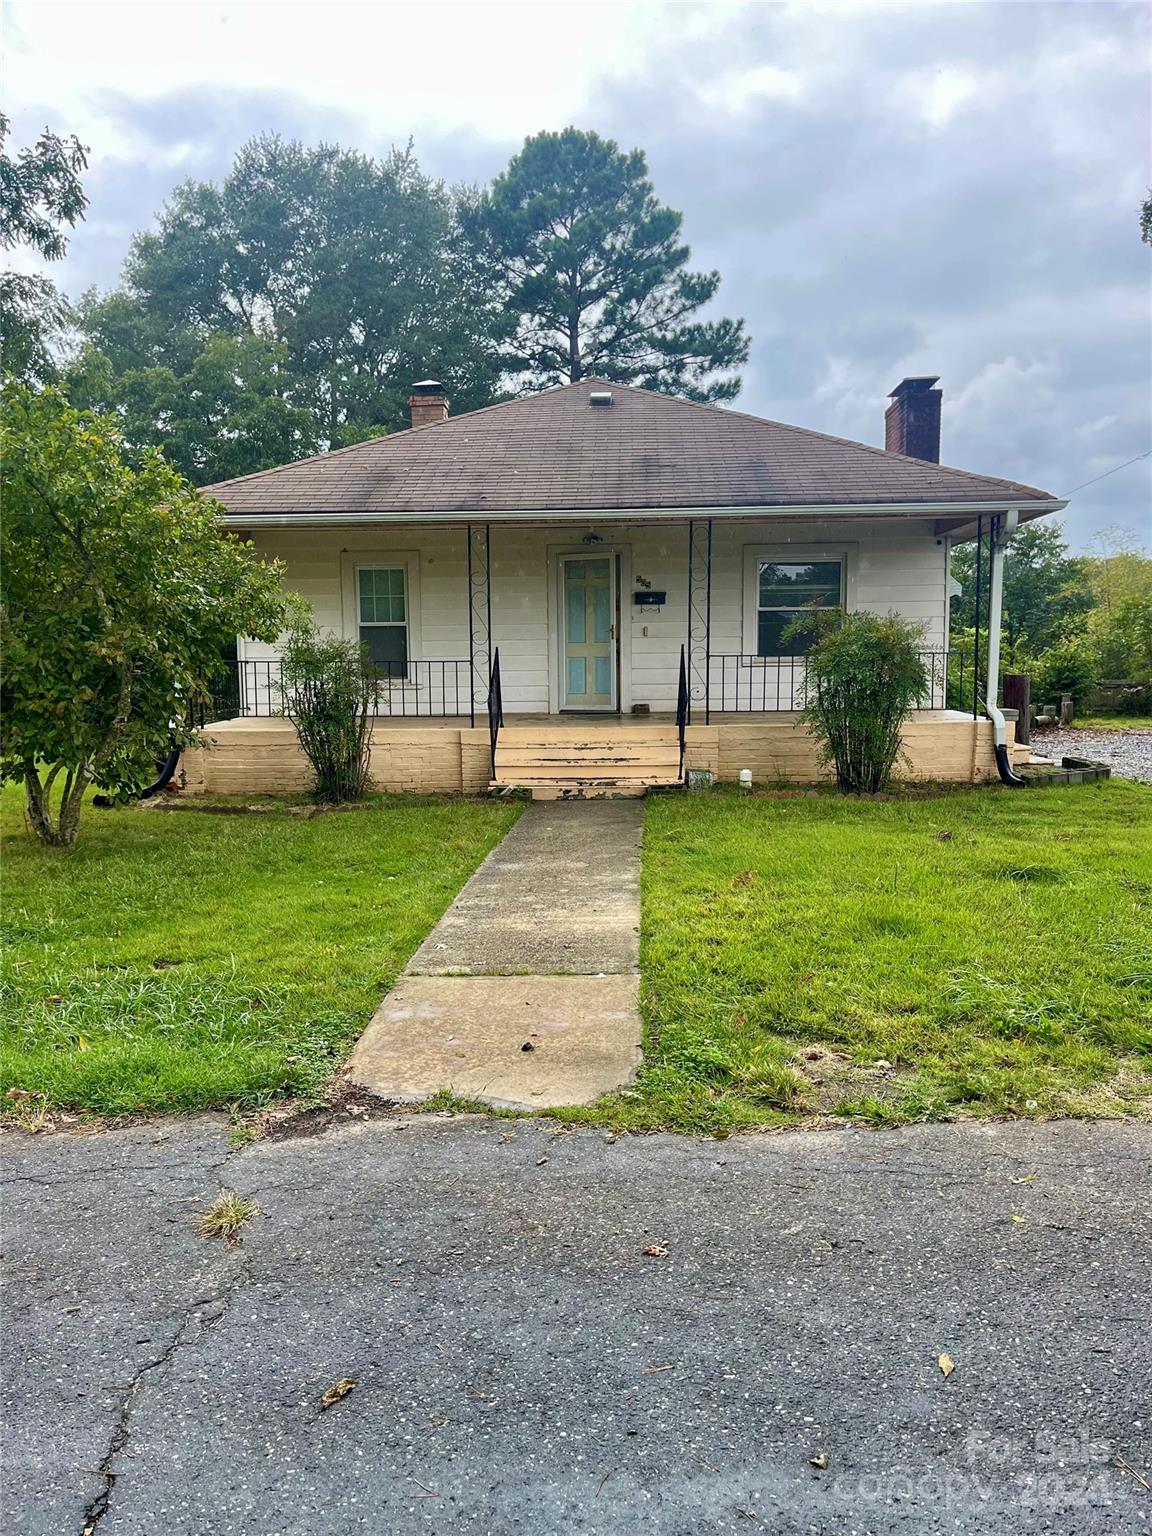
x=428, y=403
x=912, y=421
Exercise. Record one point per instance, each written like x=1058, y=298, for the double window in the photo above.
x=382, y=614
x=785, y=591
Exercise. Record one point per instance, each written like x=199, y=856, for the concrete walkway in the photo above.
x=524, y=995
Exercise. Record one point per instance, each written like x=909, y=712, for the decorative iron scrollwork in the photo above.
x=699, y=611
x=480, y=610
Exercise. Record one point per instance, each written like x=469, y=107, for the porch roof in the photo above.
x=556, y=453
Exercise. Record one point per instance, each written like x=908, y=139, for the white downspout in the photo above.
x=1003, y=530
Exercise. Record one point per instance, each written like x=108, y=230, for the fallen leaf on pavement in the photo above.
x=650, y=1370
x=947, y=1364
x=336, y=1391
x=655, y=1251
x=820, y=1460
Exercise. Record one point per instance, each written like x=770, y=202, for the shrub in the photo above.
x=1069, y=666
x=1135, y=699
x=864, y=676
x=329, y=690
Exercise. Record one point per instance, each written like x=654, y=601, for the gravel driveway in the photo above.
x=942, y=1328
x=1127, y=753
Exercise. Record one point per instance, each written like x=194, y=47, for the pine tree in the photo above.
x=593, y=269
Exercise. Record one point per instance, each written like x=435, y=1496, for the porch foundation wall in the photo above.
x=262, y=757
x=782, y=751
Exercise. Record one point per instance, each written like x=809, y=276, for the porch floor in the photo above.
x=601, y=721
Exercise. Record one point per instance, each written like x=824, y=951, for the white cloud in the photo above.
x=742, y=89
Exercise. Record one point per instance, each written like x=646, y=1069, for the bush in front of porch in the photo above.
x=865, y=675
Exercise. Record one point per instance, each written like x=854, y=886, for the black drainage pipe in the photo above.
x=1004, y=768
x=168, y=768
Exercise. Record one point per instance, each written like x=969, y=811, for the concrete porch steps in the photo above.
x=589, y=791
x=586, y=761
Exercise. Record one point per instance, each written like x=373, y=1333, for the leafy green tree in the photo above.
x=231, y=412
x=594, y=271
x=338, y=278
x=119, y=592
x=1123, y=640
x=40, y=192
x=1045, y=588
x=1068, y=666
x=1118, y=571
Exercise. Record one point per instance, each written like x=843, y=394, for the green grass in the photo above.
x=1113, y=723
x=183, y=961
x=982, y=952
x=994, y=947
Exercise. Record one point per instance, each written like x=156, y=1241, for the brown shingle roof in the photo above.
x=554, y=452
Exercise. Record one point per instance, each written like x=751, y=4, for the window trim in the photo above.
x=352, y=561
x=756, y=555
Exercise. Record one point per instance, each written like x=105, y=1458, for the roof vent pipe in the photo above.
x=600, y=397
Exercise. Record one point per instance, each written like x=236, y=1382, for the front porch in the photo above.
x=604, y=657
x=449, y=755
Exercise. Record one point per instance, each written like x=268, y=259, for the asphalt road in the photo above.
x=522, y=1366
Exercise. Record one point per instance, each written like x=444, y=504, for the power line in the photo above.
x=1111, y=471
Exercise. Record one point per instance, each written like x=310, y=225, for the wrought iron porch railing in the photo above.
x=744, y=684
x=415, y=690
x=682, y=708
x=495, y=707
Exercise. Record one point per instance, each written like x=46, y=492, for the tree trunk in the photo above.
x=575, y=362
x=62, y=833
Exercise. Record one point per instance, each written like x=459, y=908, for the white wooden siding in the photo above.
x=899, y=568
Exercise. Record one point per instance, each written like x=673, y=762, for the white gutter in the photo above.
x=1003, y=529
x=335, y=519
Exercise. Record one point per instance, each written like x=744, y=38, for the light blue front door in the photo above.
x=588, y=633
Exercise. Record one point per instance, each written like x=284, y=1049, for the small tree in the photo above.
x=329, y=690
x=119, y=592
x=865, y=675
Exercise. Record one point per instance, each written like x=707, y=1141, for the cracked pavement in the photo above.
x=522, y=1364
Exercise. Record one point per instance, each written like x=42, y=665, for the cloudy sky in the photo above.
x=887, y=189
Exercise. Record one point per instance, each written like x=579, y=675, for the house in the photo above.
x=590, y=588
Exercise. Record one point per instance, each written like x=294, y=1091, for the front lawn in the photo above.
x=986, y=951
x=176, y=961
